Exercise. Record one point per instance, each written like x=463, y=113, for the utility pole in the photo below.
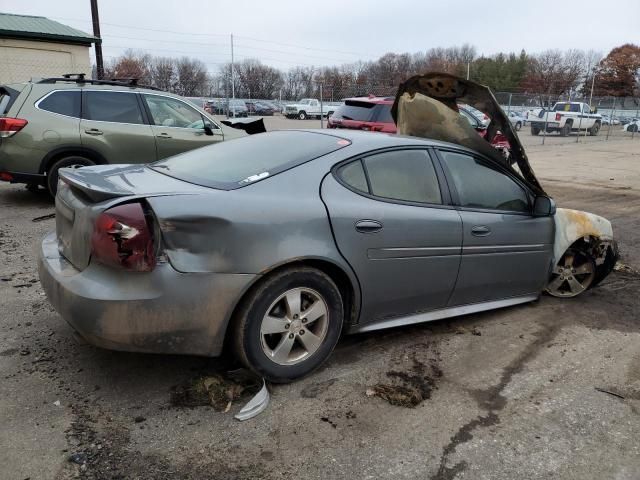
x=233, y=88
x=468, y=69
x=96, y=33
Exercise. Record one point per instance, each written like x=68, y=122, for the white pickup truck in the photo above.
x=567, y=117
x=308, y=108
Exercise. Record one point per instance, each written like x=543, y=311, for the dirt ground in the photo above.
x=545, y=390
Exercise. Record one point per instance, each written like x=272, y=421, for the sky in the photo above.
x=286, y=33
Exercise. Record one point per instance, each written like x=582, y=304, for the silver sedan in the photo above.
x=275, y=244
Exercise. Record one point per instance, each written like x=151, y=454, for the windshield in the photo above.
x=355, y=110
x=237, y=163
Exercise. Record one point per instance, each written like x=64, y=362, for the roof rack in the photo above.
x=80, y=78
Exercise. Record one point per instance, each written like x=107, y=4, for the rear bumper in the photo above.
x=18, y=177
x=162, y=311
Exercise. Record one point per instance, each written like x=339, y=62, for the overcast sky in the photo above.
x=285, y=33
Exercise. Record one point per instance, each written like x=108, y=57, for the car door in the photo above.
x=177, y=126
x=506, y=251
x=114, y=125
x=393, y=224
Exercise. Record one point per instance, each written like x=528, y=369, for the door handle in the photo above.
x=163, y=135
x=480, y=231
x=368, y=226
x=93, y=131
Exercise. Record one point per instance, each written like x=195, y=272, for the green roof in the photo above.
x=42, y=29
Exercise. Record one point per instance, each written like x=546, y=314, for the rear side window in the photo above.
x=353, y=110
x=406, y=175
x=112, y=107
x=353, y=175
x=246, y=160
x=64, y=103
x=479, y=185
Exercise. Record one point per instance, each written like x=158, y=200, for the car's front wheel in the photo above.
x=289, y=324
x=72, y=161
x=518, y=126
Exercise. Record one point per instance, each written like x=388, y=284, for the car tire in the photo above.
x=566, y=130
x=632, y=128
x=302, y=115
x=518, y=126
x=535, y=131
x=593, y=131
x=73, y=161
x=269, y=336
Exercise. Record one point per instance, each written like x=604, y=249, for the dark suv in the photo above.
x=73, y=122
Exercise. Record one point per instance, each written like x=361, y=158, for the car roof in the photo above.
x=373, y=140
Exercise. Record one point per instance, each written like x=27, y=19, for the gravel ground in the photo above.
x=545, y=390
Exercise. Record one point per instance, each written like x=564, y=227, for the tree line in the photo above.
x=549, y=72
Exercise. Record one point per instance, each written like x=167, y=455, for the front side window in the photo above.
x=169, y=112
x=406, y=175
x=64, y=103
x=479, y=185
x=119, y=107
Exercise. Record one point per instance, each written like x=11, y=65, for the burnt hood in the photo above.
x=427, y=106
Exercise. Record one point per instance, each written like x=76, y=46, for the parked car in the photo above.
x=72, y=122
x=632, y=126
x=214, y=247
x=364, y=113
x=259, y=108
x=309, y=108
x=517, y=120
x=567, y=117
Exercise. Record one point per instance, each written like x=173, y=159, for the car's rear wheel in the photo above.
x=518, y=126
x=302, y=115
x=632, y=128
x=72, y=161
x=565, y=131
x=574, y=274
x=535, y=131
x=289, y=325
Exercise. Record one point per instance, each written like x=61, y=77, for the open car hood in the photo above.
x=427, y=106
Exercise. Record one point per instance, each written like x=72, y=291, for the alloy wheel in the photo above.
x=573, y=274
x=294, y=326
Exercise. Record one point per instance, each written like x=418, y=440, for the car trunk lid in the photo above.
x=84, y=193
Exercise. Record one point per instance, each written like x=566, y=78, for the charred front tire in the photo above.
x=302, y=115
x=289, y=324
x=565, y=131
x=574, y=274
x=593, y=131
x=72, y=161
x=535, y=131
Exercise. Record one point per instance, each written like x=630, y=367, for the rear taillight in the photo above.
x=122, y=237
x=11, y=126
x=558, y=117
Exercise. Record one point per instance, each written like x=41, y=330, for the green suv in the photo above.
x=71, y=121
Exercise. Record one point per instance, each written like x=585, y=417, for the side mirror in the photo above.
x=208, y=128
x=544, y=206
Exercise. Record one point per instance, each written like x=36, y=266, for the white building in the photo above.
x=38, y=47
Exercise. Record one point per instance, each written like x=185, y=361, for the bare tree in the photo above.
x=191, y=77
x=163, y=73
